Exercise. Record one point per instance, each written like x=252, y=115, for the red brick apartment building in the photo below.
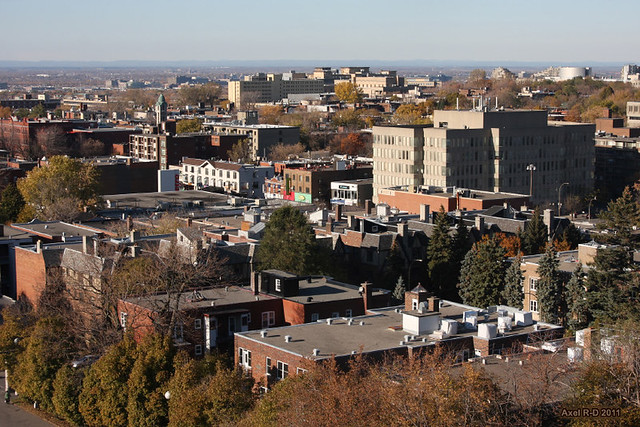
x=210, y=317
x=423, y=324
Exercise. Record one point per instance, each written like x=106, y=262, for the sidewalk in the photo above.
x=14, y=416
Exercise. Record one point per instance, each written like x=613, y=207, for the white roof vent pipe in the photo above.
x=263, y=334
x=287, y=338
x=316, y=351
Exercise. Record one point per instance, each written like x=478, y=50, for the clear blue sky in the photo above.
x=211, y=30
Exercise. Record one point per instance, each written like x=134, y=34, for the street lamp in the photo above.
x=531, y=167
x=590, y=201
x=559, y=190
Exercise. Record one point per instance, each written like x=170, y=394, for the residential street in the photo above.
x=14, y=416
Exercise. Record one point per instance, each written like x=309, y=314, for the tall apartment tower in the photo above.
x=486, y=150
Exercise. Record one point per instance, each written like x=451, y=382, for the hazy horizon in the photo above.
x=337, y=32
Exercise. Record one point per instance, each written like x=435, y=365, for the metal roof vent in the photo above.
x=316, y=351
x=263, y=334
x=287, y=338
x=329, y=321
x=362, y=323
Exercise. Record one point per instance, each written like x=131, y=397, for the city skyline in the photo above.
x=412, y=31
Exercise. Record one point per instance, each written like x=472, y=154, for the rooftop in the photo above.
x=379, y=331
x=51, y=229
x=324, y=289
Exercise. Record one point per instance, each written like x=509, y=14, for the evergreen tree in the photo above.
x=66, y=389
x=394, y=266
x=534, y=237
x=576, y=297
x=439, y=256
x=549, y=293
x=482, y=274
x=461, y=244
x=105, y=393
x=11, y=203
x=572, y=236
x=398, y=291
x=148, y=382
x=513, y=295
x=289, y=242
x=610, y=284
x=622, y=216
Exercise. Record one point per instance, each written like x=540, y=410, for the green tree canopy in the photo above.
x=11, y=203
x=576, y=297
x=621, y=217
x=550, y=288
x=60, y=190
x=289, y=242
x=439, y=256
x=534, y=237
x=512, y=295
x=482, y=274
x=66, y=389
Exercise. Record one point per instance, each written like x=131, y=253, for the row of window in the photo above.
x=282, y=368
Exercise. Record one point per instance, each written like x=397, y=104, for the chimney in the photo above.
x=129, y=223
x=338, y=212
x=350, y=222
x=368, y=206
x=403, y=229
x=135, y=251
x=134, y=235
x=424, y=213
x=367, y=295
x=189, y=222
x=255, y=282
x=85, y=243
x=39, y=246
x=547, y=218
x=329, y=226
x=480, y=224
x=434, y=304
x=95, y=247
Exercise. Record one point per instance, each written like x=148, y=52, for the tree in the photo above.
x=89, y=147
x=60, y=190
x=105, y=394
x=398, y=291
x=621, y=217
x=410, y=114
x=48, y=347
x=289, y=242
x=66, y=389
x=550, y=293
x=240, y=152
x=477, y=77
x=207, y=94
x=5, y=112
x=37, y=112
x=285, y=151
x=576, y=296
x=348, y=118
x=148, y=382
x=512, y=295
x=482, y=274
x=534, y=237
x=11, y=203
x=352, y=144
x=52, y=141
x=348, y=92
x=270, y=114
x=439, y=257
x=189, y=125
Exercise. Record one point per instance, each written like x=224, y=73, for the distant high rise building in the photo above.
x=161, y=110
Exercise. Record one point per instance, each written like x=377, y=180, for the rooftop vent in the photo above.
x=329, y=321
x=362, y=323
x=287, y=338
x=316, y=351
x=263, y=334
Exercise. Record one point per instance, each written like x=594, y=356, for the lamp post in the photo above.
x=559, y=190
x=410, y=266
x=589, y=211
x=531, y=167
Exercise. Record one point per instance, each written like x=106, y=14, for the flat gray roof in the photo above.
x=322, y=289
x=379, y=331
x=151, y=200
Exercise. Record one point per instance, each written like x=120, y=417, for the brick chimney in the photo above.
x=424, y=213
x=329, y=225
x=434, y=304
x=367, y=296
x=368, y=206
x=338, y=212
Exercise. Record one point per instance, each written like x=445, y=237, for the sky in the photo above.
x=560, y=31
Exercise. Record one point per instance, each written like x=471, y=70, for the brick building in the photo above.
x=422, y=325
x=210, y=317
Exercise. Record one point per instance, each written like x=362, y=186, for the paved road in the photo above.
x=14, y=416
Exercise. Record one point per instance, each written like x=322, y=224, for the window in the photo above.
x=349, y=312
x=283, y=370
x=178, y=332
x=244, y=358
x=300, y=371
x=414, y=304
x=123, y=319
x=197, y=324
x=315, y=317
x=533, y=283
x=267, y=365
x=335, y=315
x=268, y=319
x=198, y=350
x=278, y=285
x=533, y=306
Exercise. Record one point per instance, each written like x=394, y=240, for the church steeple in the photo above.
x=161, y=110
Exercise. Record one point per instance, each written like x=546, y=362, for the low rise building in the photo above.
x=242, y=179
